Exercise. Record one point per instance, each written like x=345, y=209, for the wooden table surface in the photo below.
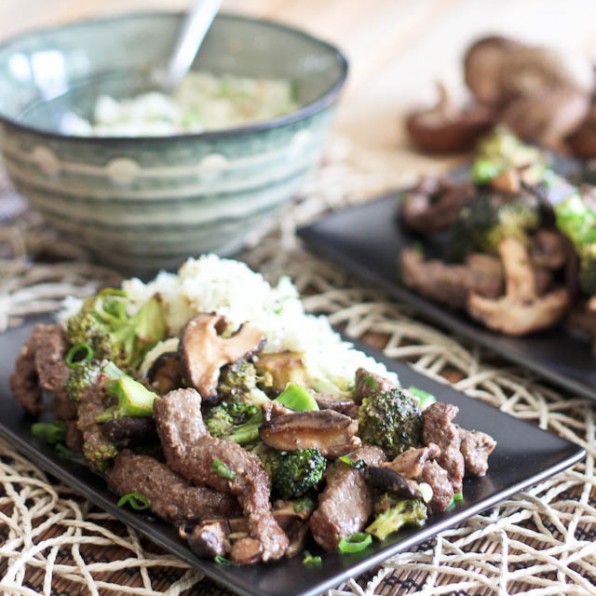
x=396, y=48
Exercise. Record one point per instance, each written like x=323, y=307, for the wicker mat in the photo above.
x=542, y=541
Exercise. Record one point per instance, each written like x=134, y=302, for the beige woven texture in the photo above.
x=539, y=542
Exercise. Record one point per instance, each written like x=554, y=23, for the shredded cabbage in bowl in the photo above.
x=202, y=102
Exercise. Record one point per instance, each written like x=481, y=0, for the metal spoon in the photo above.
x=194, y=28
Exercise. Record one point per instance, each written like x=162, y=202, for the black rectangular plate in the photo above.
x=367, y=239
x=525, y=455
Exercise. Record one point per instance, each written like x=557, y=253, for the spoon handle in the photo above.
x=196, y=24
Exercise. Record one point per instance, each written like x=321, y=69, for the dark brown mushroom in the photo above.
x=165, y=374
x=331, y=401
x=387, y=480
x=582, y=141
x=483, y=62
x=203, y=350
x=434, y=204
x=215, y=537
x=334, y=434
x=208, y=539
x=521, y=310
x=446, y=128
x=129, y=431
x=534, y=71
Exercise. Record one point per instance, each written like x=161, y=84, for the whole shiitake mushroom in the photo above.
x=483, y=63
x=541, y=94
x=445, y=128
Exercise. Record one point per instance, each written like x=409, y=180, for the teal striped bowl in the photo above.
x=147, y=203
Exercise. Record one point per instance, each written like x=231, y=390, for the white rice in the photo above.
x=230, y=288
x=202, y=102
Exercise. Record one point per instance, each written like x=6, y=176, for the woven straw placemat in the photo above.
x=542, y=541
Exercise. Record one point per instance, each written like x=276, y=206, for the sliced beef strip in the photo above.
x=49, y=358
x=438, y=428
x=24, y=381
x=170, y=496
x=475, y=447
x=434, y=204
x=192, y=452
x=74, y=437
x=451, y=283
x=368, y=384
x=438, y=479
x=347, y=501
x=63, y=408
x=40, y=365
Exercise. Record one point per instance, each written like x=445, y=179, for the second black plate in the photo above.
x=367, y=240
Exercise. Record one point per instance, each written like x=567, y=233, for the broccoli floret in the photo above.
x=133, y=399
x=294, y=473
x=238, y=383
x=395, y=514
x=391, y=420
x=105, y=324
x=501, y=151
x=98, y=450
x=81, y=378
x=576, y=218
x=236, y=421
x=488, y=218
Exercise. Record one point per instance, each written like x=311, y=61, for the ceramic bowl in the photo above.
x=146, y=203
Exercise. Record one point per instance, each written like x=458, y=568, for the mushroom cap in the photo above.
x=535, y=70
x=482, y=66
x=441, y=132
x=521, y=310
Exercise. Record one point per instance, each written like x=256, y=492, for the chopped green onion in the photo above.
x=219, y=560
x=137, y=501
x=78, y=354
x=483, y=171
x=223, y=470
x=51, y=432
x=425, y=398
x=358, y=464
x=371, y=382
x=458, y=497
x=354, y=543
x=310, y=560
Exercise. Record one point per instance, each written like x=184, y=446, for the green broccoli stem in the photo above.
x=249, y=431
x=403, y=513
x=134, y=399
x=297, y=398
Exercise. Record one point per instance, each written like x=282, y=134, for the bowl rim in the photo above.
x=310, y=109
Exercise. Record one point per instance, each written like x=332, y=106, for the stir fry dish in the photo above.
x=212, y=400
x=520, y=253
